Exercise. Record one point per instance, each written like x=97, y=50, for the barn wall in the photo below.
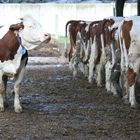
x=53, y=17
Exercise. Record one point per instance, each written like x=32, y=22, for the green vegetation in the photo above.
x=62, y=39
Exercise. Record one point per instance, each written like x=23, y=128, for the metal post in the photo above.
x=119, y=7
x=138, y=7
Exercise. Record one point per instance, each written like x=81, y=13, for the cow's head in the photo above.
x=32, y=34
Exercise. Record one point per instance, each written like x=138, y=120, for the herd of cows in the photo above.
x=105, y=51
x=108, y=52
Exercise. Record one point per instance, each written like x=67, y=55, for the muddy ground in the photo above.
x=60, y=107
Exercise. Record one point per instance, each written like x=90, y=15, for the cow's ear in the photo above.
x=13, y=27
x=17, y=27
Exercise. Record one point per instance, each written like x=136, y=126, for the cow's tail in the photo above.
x=121, y=44
x=66, y=38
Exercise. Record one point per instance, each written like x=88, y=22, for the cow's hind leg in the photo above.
x=2, y=93
x=115, y=83
x=132, y=76
x=5, y=79
x=19, y=77
x=108, y=69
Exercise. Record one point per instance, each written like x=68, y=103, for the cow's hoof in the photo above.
x=125, y=100
x=1, y=109
x=99, y=85
x=116, y=95
x=135, y=106
x=109, y=92
x=74, y=74
x=90, y=81
x=18, y=110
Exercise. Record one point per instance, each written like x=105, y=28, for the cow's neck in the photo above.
x=9, y=46
x=13, y=52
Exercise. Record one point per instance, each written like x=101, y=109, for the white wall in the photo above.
x=53, y=17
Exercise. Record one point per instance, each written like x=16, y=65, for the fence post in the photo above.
x=138, y=7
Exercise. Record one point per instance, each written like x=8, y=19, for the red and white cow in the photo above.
x=78, y=61
x=112, y=66
x=15, y=41
x=127, y=33
x=130, y=52
x=72, y=26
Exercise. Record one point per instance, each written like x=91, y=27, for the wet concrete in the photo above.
x=60, y=107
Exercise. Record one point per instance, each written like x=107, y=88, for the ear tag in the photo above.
x=22, y=50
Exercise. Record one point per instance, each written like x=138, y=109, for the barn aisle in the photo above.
x=60, y=107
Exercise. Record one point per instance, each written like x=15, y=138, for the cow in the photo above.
x=130, y=61
x=113, y=57
x=83, y=47
x=15, y=42
x=97, y=56
x=81, y=50
x=127, y=68
x=73, y=26
x=101, y=51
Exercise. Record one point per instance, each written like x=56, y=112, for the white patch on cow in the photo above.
x=113, y=90
x=101, y=64
x=82, y=22
x=76, y=57
x=93, y=56
x=81, y=67
x=103, y=55
x=86, y=72
x=123, y=68
x=87, y=27
x=132, y=99
x=98, y=78
x=86, y=50
x=119, y=36
x=32, y=34
x=134, y=63
x=125, y=54
x=108, y=68
x=80, y=43
x=1, y=92
x=1, y=102
x=117, y=22
x=17, y=105
x=102, y=44
x=135, y=38
x=113, y=54
x=11, y=66
x=18, y=80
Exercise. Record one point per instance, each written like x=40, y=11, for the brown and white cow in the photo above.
x=130, y=52
x=83, y=47
x=99, y=42
x=129, y=65
x=113, y=57
x=72, y=26
x=81, y=51
x=15, y=41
